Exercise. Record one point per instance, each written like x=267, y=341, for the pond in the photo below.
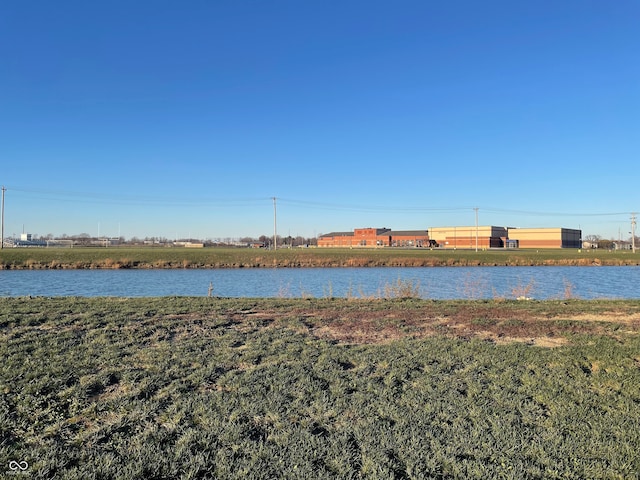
x=429, y=282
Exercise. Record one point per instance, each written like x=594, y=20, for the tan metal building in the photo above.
x=546, y=237
x=465, y=237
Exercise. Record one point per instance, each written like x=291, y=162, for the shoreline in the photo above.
x=219, y=258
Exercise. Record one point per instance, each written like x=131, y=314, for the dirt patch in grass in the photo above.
x=163, y=322
x=631, y=319
x=492, y=321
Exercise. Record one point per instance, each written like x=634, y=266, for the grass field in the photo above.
x=158, y=257
x=160, y=388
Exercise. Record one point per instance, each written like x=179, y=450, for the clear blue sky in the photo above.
x=167, y=118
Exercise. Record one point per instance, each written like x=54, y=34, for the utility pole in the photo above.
x=275, y=233
x=476, y=209
x=633, y=232
x=2, y=220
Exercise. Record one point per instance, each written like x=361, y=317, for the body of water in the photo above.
x=432, y=282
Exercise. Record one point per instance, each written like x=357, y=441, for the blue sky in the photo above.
x=175, y=119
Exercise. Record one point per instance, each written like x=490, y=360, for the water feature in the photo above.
x=432, y=282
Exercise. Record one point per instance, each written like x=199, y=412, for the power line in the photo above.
x=552, y=214
x=128, y=199
x=367, y=208
x=243, y=202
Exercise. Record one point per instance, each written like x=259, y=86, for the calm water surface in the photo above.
x=433, y=282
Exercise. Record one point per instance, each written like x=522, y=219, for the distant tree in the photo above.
x=266, y=241
x=606, y=244
x=82, y=239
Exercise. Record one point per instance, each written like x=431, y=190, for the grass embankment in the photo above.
x=319, y=388
x=154, y=257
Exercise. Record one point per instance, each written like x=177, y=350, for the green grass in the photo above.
x=278, y=388
x=156, y=257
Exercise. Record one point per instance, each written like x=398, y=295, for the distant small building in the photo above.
x=27, y=240
x=622, y=245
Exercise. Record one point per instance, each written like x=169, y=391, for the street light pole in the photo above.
x=633, y=232
x=2, y=219
x=476, y=209
x=275, y=234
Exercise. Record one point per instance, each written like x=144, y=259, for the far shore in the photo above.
x=161, y=258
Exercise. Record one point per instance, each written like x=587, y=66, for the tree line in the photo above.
x=266, y=241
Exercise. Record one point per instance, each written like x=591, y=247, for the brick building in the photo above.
x=375, y=237
x=464, y=237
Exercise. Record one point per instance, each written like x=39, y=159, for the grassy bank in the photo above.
x=319, y=388
x=149, y=257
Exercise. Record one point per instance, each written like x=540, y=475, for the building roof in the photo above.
x=407, y=233
x=337, y=234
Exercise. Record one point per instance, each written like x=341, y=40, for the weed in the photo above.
x=523, y=292
x=402, y=289
x=328, y=291
x=568, y=290
x=284, y=291
x=473, y=287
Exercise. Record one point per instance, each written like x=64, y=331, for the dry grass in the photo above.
x=498, y=321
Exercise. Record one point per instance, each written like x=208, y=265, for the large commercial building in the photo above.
x=465, y=237
x=546, y=237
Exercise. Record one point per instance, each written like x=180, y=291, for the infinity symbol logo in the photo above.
x=13, y=465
